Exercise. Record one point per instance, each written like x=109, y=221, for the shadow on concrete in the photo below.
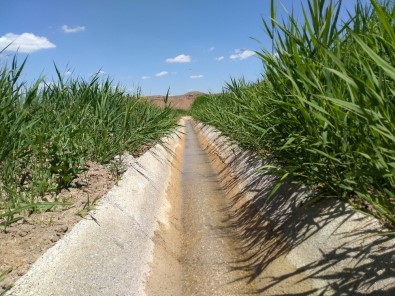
x=327, y=242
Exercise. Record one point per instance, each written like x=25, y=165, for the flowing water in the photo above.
x=208, y=251
x=195, y=252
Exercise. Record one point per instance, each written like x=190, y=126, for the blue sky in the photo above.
x=152, y=44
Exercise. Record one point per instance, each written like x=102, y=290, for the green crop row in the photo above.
x=324, y=110
x=48, y=131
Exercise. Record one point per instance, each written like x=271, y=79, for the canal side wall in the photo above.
x=109, y=252
x=336, y=248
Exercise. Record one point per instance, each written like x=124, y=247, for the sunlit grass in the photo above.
x=49, y=130
x=324, y=110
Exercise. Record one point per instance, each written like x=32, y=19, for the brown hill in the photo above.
x=183, y=102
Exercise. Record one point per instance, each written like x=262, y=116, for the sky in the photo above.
x=151, y=45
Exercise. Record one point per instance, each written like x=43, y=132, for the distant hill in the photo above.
x=183, y=102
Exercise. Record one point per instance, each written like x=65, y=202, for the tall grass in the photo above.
x=324, y=110
x=48, y=131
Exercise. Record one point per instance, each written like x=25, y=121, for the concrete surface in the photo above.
x=110, y=254
x=198, y=252
x=208, y=252
x=335, y=248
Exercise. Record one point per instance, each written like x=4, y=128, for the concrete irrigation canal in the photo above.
x=193, y=218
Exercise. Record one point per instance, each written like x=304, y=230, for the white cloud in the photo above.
x=196, y=76
x=68, y=73
x=160, y=74
x=242, y=55
x=211, y=48
x=67, y=29
x=145, y=77
x=26, y=42
x=219, y=58
x=101, y=72
x=182, y=58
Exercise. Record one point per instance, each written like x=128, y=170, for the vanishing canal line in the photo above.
x=205, y=252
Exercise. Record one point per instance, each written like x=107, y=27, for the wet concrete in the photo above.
x=199, y=250
x=208, y=251
x=194, y=254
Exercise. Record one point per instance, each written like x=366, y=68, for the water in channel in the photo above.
x=207, y=249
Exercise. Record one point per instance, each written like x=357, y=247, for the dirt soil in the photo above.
x=25, y=241
x=183, y=102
